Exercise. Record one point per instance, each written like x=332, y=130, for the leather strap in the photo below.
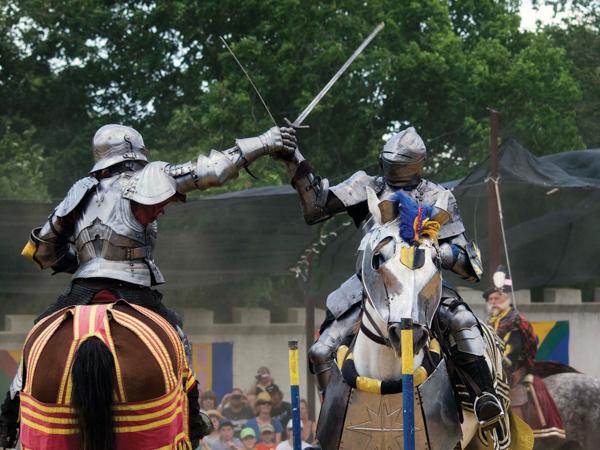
x=378, y=338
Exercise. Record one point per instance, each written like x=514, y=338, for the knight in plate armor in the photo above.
x=401, y=161
x=105, y=229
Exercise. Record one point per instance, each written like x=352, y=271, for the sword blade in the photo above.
x=338, y=74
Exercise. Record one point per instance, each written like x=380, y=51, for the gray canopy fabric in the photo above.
x=241, y=248
x=551, y=208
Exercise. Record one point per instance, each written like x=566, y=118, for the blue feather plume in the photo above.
x=408, y=210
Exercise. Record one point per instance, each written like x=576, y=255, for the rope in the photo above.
x=501, y=217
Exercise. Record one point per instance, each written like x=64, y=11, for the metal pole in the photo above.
x=295, y=393
x=493, y=219
x=408, y=396
x=310, y=334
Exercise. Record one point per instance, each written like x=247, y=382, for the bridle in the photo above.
x=378, y=336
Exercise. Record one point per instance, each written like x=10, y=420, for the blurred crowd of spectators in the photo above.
x=257, y=419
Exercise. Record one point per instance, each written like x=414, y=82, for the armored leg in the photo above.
x=461, y=328
x=333, y=332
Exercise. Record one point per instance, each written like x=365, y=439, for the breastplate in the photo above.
x=110, y=242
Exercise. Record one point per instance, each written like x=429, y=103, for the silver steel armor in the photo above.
x=401, y=161
x=462, y=326
x=48, y=246
x=219, y=167
x=97, y=215
x=347, y=295
x=402, y=158
x=110, y=242
x=114, y=144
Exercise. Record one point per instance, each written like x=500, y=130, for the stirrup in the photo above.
x=491, y=421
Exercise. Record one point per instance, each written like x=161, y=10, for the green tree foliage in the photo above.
x=69, y=66
x=579, y=35
x=22, y=163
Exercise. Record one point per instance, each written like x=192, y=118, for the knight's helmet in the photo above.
x=117, y=143
x=402, y=158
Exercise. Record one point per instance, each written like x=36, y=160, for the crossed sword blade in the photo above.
x=304, y=114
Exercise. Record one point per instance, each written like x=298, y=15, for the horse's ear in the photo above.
x=440, y=212
x=373, y=203
x=389, y=210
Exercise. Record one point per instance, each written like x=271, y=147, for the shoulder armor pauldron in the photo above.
x=354, y=190
x=150, y=185
x=75, y=195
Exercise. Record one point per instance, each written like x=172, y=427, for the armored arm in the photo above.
x=461, y=256
x=457, y=252
x=49, y=246
x=218, y=167
x=319, y=201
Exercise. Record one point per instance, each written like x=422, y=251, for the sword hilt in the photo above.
x=294, y=126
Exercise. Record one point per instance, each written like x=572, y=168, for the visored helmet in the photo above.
x=402, y=158
x=117, y=143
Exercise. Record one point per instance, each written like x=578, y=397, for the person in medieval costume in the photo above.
x=529, y=397
x=401, y=161
x=104, y=231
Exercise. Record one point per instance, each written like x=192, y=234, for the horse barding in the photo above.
x=362, y=408
x=106, y=376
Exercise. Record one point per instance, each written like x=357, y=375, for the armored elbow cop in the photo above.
x=313, y=192
x=47, y=249
x=217, y=167
x=464, y=262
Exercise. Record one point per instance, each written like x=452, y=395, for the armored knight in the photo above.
x=401, y=161
x=105, y=229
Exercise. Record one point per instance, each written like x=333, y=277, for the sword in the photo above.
x=304, y=114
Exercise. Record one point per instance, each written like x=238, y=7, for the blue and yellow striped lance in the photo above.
x=295, y=393
x=408, y=396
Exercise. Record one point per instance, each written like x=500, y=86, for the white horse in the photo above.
x=404, y=281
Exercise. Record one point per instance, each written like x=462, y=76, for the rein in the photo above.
x=378, y=338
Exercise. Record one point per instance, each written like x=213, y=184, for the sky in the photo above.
x=529, y=16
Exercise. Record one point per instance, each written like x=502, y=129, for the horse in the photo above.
x=404, y=281
x=576, y=396
x=106, y=376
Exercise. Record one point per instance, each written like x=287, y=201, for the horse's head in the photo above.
x=400, y=264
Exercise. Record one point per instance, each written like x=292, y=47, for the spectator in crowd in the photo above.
x=263, y=409
x=236, y=408
x=208, y=400
x=267, y=438
x=226, y=439
x=309, y=427
x=289, y=443
x=215, y=417
x=280, y=410
x=262, y=380
x=248, y=438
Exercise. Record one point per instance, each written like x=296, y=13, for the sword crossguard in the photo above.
x=295, y=127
